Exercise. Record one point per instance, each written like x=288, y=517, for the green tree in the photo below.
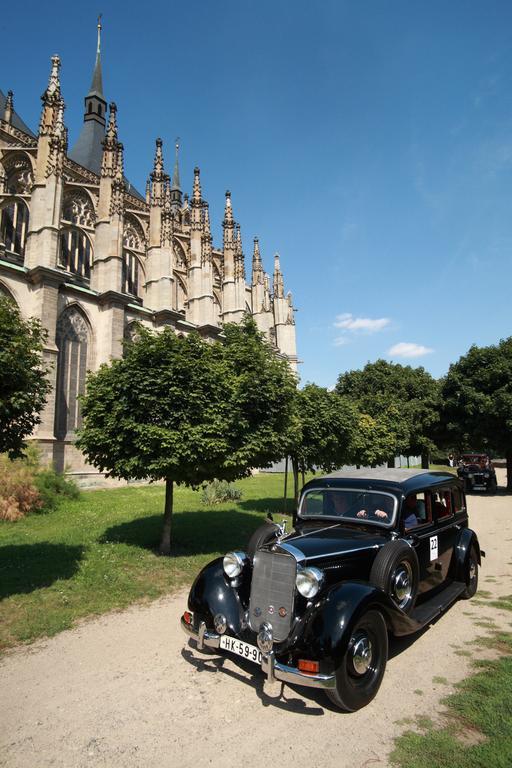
x=406, y=399
x=23, y=383
x=373, y=441
x=327, y=425
x=477, y=401
x=187, y=411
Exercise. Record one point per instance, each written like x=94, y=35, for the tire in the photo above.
x=261, y=536
x=396, y=571
x=362, y=668
x=471, y=575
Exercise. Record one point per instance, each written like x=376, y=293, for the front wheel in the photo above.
x=471, y=575
x=360, y=673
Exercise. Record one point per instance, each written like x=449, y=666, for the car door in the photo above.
x=446, y=527
x=423, y=537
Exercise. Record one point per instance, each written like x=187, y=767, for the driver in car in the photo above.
x=382, y=512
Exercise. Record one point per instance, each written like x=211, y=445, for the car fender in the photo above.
x=326, y=629
x=212, y=592
x=465, y=540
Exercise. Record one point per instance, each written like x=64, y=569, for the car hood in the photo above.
x=320, y=543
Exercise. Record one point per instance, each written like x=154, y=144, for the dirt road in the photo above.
x=126, y=689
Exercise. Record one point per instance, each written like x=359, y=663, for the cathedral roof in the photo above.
x=16, y=120
x=88, y=149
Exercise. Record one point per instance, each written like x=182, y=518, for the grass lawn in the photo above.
x=99, y=553
x=478, y=729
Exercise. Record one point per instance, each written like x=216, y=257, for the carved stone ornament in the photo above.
x=133, y=235
x=71, y=325
x=19, y=177
x=78, y=209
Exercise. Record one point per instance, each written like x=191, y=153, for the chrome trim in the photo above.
x=202, y=637
x=273, y=669
x=296, y=553
x=343, y=552
x=364, y=521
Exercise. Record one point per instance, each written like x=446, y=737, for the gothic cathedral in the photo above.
x=82, y=250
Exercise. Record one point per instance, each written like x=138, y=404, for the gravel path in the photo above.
x=126, y=689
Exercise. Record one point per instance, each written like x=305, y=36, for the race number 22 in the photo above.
x=434, y=554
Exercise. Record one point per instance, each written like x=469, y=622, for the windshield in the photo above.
x=352, y=504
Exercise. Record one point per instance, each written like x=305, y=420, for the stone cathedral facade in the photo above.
x=82, y=250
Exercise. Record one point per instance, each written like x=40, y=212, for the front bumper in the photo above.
x=274, y=670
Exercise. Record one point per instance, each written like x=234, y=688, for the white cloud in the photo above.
x=340, y=341
x=405, y=349
x=348, y=322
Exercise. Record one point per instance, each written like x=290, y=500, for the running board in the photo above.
x=430, y=609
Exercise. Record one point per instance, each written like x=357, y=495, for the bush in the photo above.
x=18, y=492
x=52, y=486
x=218, y=491
x=25, y=487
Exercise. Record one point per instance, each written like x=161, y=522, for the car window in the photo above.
x=458, y=499
x=416, y=510
x=354, y=504
x=442, y=503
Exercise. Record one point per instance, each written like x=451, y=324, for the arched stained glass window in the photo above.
x=13, y=229
x=73, y=342
x=76, y=252
x=132, y=274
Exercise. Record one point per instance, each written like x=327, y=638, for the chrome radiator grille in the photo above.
x=272, y=592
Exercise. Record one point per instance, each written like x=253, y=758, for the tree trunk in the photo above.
x=165, y=543
x=509, y=470
x=391, y=463
x=295, y=468
x=425, y=461
x=285, y=484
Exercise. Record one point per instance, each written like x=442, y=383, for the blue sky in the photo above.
x=369, y=143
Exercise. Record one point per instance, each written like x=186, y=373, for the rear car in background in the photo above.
x=477, y=472
x=372, y=553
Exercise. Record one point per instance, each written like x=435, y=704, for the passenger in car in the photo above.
x=411, y=512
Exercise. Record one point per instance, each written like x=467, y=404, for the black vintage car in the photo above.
x=372, y=553
x=477, y=472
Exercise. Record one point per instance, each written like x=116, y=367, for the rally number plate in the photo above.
x=245, y=650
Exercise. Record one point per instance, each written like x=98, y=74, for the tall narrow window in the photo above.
x=73, y=345
x=132, y=274
x=13, y=229
x=75, y=252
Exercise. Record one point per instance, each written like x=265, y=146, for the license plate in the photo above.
x=245, y=650
x=479, y=487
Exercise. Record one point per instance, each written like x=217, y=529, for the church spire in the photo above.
x=239, y=255
x=257, y=266
x=88, y=148
x=228, y=222
x=278, y=279
x=96, y=88
x=95, y=103
x=176, y=186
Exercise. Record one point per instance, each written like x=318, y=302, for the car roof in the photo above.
x=384, y=478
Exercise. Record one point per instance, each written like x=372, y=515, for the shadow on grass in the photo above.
x=193, y=533
x=26, y=567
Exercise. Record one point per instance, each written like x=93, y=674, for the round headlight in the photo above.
x=309, y=581
x=233, y=563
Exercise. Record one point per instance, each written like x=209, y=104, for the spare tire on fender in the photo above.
x=396, y=571
x=262, y=535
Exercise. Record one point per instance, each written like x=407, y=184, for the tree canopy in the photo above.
x=477, y=400
x=23, y=383
x=187, y=411
x=403, y=399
